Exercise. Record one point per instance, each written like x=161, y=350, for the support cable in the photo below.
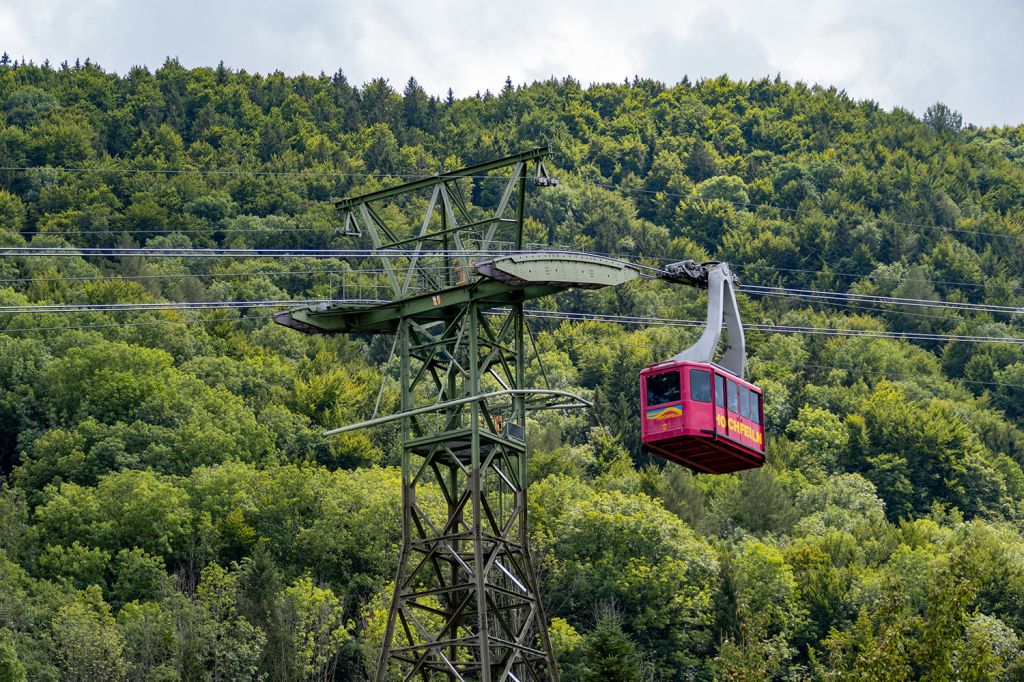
x=770, y=328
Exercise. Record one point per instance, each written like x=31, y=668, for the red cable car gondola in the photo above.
x=696, y=412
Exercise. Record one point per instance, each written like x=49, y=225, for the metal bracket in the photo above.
x=686, y=272
x=352, y=228
x=721, y=284
x=542, y=179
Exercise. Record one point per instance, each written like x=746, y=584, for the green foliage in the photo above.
x=313, y=617
x=229, y=645
x=820, y=440
x=138, y=576
x=565, y=640
x=125, y=509
x=759, y=501
x=149, y=640
x=80, y=565
x=170, y=509
x=88, y=643
x=609, y=654
x=943, y=119
x=11, y=669
x=610, y=548
x=12, y=212
x=847, y=503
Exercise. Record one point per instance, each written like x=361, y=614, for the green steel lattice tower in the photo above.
x=466, y=604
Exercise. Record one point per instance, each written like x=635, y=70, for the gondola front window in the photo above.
x=663, y=388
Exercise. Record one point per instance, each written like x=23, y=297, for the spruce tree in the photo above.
x=609, y=654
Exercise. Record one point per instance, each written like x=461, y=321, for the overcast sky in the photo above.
x=897, y=52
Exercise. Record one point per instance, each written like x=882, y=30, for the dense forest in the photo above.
x=171, y=511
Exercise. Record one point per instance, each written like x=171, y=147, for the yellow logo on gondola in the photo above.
x=737, y=426
x=665, y=412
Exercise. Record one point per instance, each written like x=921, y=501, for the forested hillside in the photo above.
x=170, y=510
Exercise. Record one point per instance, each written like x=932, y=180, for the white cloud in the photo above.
x=909, y=53
x=712, y=45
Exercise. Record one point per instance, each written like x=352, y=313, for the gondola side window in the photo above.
x=734, y=397
x=663, y=388
x=755, y=408
x=700, y=385
x=719, y=390
x=744, y=402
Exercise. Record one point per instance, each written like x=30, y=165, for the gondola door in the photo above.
x=721, y=425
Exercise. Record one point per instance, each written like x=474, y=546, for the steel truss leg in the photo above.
x=466, y=604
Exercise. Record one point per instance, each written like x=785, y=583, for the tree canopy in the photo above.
x=170, y=509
